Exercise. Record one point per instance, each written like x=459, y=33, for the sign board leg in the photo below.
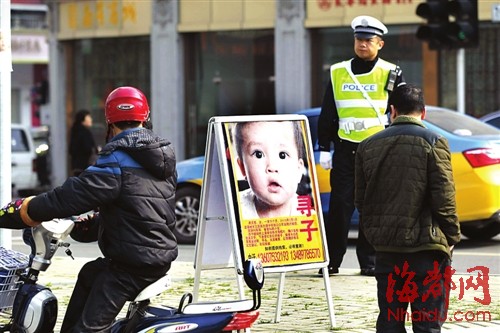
x=329, y=298
x=241, y=283
x=198, y=259
x=279, y=301
x=196, y=287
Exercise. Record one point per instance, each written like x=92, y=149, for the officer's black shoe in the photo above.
x=368, y=271
x=331, y=271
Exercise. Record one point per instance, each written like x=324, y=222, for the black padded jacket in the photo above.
x=133, y=186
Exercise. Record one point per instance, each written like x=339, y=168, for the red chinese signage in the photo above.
x=328, y=4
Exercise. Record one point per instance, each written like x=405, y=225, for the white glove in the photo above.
x=325, y=160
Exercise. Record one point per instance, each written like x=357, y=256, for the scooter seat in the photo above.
x=154, y=289
x=160, y=311
x=218, y=307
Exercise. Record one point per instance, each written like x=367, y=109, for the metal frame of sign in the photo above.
x=218, y=239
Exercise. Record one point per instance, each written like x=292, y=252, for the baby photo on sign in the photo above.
x=271, y=165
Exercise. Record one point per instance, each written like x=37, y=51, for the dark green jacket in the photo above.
x=404, y=189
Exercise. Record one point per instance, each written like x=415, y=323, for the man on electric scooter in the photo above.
x=133, y=186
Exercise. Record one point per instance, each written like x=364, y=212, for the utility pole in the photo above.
x=461, y=81
x=5, y=116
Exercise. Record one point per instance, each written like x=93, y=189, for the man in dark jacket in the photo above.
x=405, y=194
x=133, y=185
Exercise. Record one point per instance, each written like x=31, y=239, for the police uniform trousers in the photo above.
x=342, y=208
x=101, y=291
x=421, y=280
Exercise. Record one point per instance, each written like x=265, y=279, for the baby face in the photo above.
x=270, y=161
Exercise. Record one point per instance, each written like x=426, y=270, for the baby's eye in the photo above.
x=258, y=154
x=283, y=155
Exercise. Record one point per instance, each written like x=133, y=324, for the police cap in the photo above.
x=368, y=27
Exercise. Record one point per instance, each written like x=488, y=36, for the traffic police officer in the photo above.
x=354, y=107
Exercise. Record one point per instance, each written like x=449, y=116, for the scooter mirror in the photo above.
x=253, y=273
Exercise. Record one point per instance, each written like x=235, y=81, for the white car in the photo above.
x=24, y=176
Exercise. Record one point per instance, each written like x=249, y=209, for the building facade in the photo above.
x=30, y=58
x=198, y=59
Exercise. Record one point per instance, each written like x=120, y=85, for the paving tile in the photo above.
x=304, y=307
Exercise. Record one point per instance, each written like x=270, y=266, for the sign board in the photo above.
x=213, y=220
x=260, y=198
x=30, y=49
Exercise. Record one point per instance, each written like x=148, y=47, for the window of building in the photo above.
x=28, y=17
x=227, y=73
x=103, y=64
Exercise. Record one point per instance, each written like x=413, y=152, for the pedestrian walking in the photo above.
x=82, y=146
x=406, y=198
x=354, y=108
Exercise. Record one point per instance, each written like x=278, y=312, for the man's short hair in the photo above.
x=123, y=125
x=407, y=99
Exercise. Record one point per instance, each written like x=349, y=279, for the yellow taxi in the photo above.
x=475, y=148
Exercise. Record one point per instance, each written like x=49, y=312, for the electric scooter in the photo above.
x=32, y=308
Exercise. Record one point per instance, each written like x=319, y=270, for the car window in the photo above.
x=459, y=124
x=19, y=141
x=495, y=122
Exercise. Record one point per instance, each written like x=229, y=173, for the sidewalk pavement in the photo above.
x=304, y=304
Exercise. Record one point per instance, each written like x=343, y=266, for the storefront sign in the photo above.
x=328, y=4
x=30, y=49
x=338, y=13
x=104, y=18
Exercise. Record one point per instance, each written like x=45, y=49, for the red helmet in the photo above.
x=126, y=104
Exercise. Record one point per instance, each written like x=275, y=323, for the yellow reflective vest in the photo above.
x=361, y=111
